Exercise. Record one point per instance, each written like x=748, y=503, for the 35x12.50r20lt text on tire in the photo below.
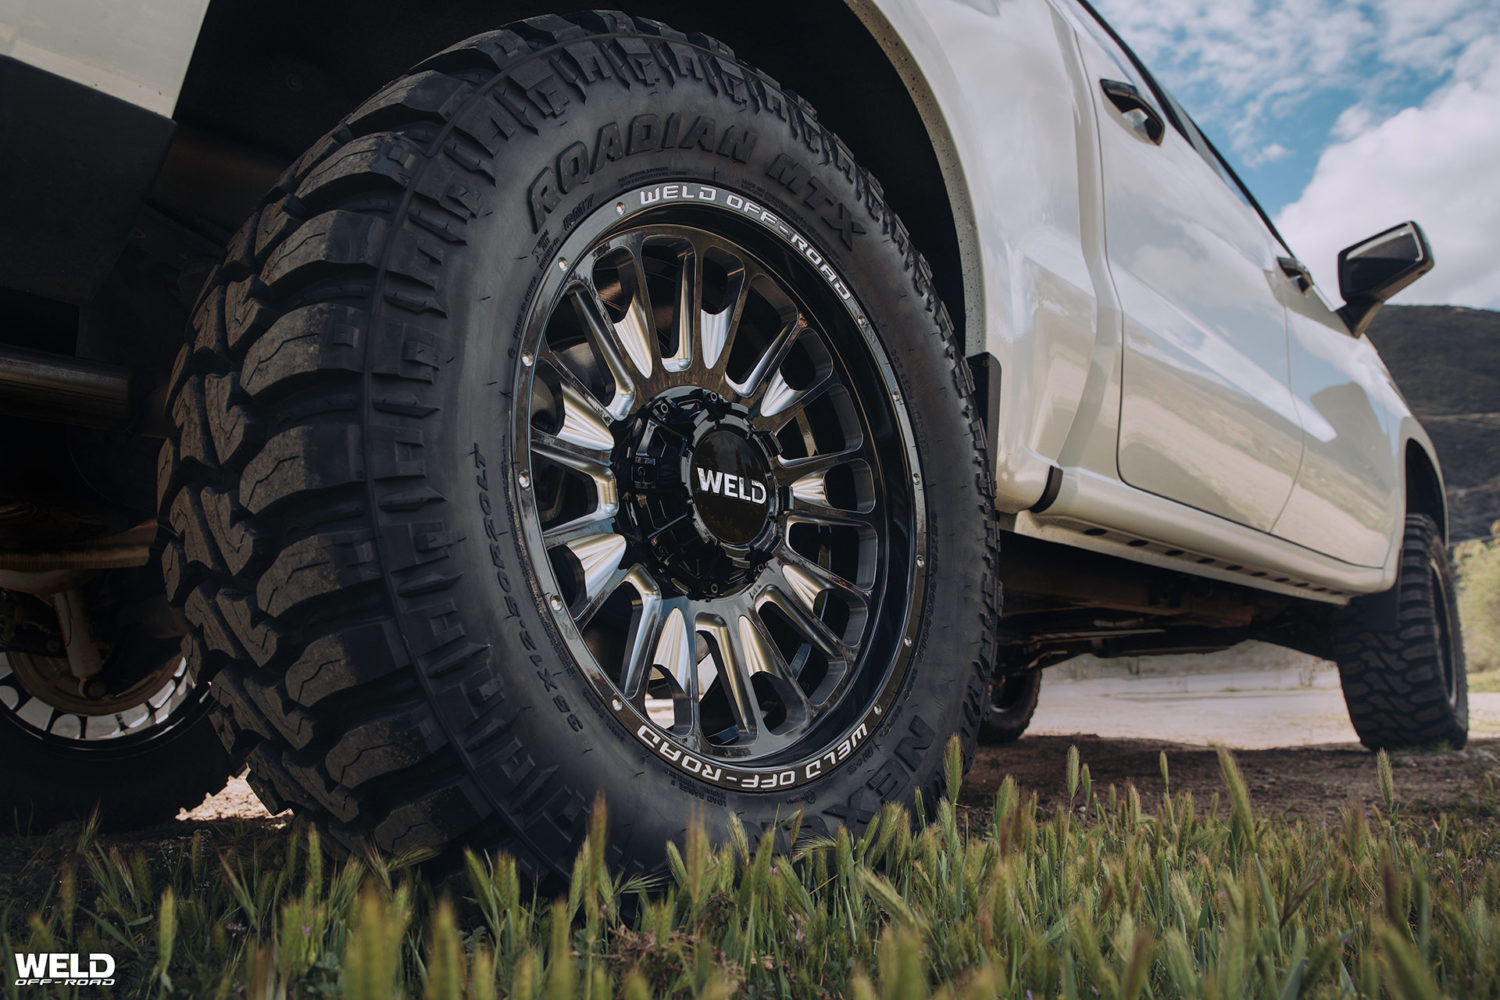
x=575, y=418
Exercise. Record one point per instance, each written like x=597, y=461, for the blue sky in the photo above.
x=1346, y=117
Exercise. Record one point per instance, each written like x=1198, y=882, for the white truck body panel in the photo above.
x=1164, y=373
x=138, y=52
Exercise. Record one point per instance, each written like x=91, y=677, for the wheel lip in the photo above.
x=624, y=212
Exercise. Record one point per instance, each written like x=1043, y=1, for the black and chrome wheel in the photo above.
x=121, y=726
x=721, y=485
x=628, y=452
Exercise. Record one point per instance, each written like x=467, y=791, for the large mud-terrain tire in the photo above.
x=1404, y=680
x=431, y=417
x=1013, y=699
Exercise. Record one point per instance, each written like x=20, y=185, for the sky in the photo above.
x=1345, y=117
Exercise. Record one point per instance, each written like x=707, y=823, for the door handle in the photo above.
x=1135, y=109
x=1298, y=272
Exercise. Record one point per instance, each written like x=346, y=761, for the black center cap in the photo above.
x=729, y=487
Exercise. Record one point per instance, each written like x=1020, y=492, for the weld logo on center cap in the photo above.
x=732, y=487
x=728, y=482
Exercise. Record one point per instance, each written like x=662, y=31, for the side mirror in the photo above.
x=1373, y=270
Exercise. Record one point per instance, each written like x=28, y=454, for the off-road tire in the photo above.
x=344, y=494
x=1404, y=680
x=1013, y=701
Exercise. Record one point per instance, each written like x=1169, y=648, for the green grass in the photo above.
x=1108, y=899
x=1486, y=682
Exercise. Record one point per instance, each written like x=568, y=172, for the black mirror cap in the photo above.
x=1373, y=270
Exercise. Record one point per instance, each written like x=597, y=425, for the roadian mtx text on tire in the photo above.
x=574, y=419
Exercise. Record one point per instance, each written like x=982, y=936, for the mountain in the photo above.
x=1446, y=361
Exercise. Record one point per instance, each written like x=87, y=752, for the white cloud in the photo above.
x=1270, y=154
x=1438, y=163
x=1242, y=66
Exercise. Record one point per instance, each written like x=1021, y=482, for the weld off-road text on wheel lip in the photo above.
x=741, y=512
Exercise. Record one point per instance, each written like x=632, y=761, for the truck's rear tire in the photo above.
x=1013, y=699
x=576, y=419
x=1404, y=680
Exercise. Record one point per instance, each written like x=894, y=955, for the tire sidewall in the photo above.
x=537, y=741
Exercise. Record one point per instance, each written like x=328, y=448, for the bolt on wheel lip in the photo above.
x=717, y=763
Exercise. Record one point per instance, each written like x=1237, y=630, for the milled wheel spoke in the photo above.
x=689, y=295
x=809, y=512
x=674, y=652
x=719, y=329
x=577, y=394
x=794, y=562
x=796, y=606
x=606, y=343
x=637, y=328
x=734, y=674
x=645, y=636
x=759, y=378
x=599, y=521
x=763, y=656
x=806, y=482
x=782, y=404
x=592, y=462
x=789, y=471
x=599, y=560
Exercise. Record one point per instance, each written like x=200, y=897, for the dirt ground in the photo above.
x=1310, y=782
x=1294, y=745
x=1306, y=782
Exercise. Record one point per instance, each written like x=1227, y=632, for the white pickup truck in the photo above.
x=585, y=414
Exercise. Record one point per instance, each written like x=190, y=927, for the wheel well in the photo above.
x=272, y=76
x=1424, y=491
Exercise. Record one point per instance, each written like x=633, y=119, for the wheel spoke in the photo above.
x=636, y=330
x=689, y=295
x=589, y=461
x=813, y=628
x=673, y=650
x=792, y=470
x=602, y=336
x=734, y=674
x=600, y=561
x=756, y=382
x=584, y=422
x=592, y=414
x=813, y=574
x=645, y=637
x=806, y=482
x=719, y=329
x=782, y=404
x=597, y=522
x=763, y=656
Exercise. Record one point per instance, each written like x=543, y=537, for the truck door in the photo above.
x=1346, y=503
x=1207, y=416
